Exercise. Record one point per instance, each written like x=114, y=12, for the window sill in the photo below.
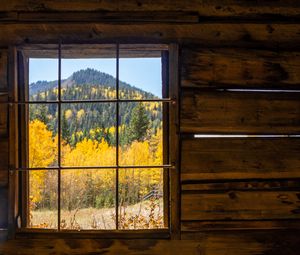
x=93, y=234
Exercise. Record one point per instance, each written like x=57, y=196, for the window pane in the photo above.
x=141, y=199
x=43, y=147
x=140, y=134
x=140, y=74
x=88, y=73
x=88, y=134
x=43, y=199
x=88, y=199
x=43, y=76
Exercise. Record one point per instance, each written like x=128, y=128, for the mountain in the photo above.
x=82, y=77
x=91, y=120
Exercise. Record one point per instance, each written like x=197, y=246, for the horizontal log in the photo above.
x=240, y=112
x=241, y=205
x=239, y=158
x=212, y=243
x=218, y=8
x=3, y=70
x=231, y=68
x=3, y=207
x=240, y=185
x=200, y=226
x=104, y=17
x=274, y=36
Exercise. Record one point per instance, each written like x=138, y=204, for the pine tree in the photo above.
x=65, y=129
x=139, y=124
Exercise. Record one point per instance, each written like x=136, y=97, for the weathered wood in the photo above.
x=3, y=70
x=247, y=242
x=174, y=142
x=212, y=243
x=240, y=112
x=241, y=205
x=227, y=8
x=238, y=158
x=201, y=226
x=273, y=36
x=3, y=206
x=231, y=68
x=104, y=17
x=240, y=185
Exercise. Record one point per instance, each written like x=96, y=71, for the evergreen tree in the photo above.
x=139, y=124
x=65, y=131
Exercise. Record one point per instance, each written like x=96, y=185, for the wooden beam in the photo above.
x=231, y=68
x=272, y=36
x=212, y=243
x=240, y=112
x=240, y=205
x=206, y=8
x=239, y=158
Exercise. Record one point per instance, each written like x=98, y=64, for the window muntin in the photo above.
x=122, y=172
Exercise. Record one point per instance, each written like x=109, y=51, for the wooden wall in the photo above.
x=239, y=75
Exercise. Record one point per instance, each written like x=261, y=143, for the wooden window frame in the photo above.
x=18, y=79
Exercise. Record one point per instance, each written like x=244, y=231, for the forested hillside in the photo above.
x=93, y=120
x=89, y=139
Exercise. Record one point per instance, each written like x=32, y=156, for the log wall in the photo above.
x=239, y=76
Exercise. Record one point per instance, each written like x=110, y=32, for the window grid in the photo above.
x=59, y=102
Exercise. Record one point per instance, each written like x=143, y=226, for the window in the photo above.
x=94, y=124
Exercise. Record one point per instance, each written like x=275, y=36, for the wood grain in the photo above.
x=231, y=68
x=212, y=243
x=249, y=225
x=240, y=112
x=272, y=36
x=239, y=205
x=217, y=8
x=238, y=158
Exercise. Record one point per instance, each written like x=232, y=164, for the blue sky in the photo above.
x=144, y=73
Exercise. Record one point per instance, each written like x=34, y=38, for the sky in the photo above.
x=144, y=73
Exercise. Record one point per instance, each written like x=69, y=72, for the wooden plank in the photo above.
x=238, y=158
x=274, y=36
x=3, y=70
x=240, y=112
x=240, y=185
x=201, y=226
x=212, y=243
x=3, y=158
x=108, y=17
x=241, y=205
x=231, y=68
x=174, y=142
x=218, y=8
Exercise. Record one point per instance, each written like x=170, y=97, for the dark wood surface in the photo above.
x=206, y=8
x=239, y=158
x=229, y=68
x=272, y=36
x=240, y=112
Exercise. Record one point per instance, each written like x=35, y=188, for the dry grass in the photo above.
x=93, y=218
